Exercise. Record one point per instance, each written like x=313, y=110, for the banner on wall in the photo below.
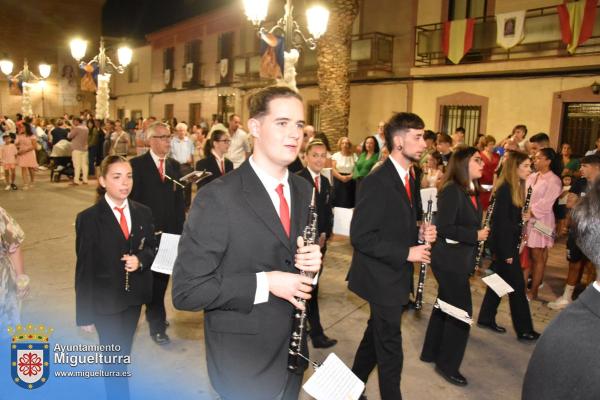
x=576, y=22
x=510, y=29
x=458, y=38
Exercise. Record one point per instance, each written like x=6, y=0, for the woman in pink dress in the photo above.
x=490, y=164
x=26, y=154
x=547, y=186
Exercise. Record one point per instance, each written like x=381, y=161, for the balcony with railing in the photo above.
x=371, y=56
x=542, y=40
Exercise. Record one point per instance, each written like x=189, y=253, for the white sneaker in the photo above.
x=7, y=187
x=559, y=303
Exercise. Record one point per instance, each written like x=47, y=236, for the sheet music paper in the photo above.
x=341, y=220
x=455, y=312
x=429, y=194
x=334, y=381
x=167, y=253
x=497, y=284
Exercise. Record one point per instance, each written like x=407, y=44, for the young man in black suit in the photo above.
x=243, y=269
x=566, y=360
x=385, y=236
x=316, y=156
x=153, y=186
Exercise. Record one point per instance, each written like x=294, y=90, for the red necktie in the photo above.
x=161, y=169
x=474, y=201
x=284, y=210
x=407, y=187
x=223, y=167
x=317, y=183
x=123, y=222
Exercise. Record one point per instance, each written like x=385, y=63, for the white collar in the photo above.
x=313, y=174
x=267, y=180
x=155, y=157
x=219, y=159
x=596, y=285
x=399, y=168
x=112, y=204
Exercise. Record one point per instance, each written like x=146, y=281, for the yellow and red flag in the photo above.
x=577, y=22
x=458, y=38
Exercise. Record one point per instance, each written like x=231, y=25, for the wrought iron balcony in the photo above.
x=371, y=55
x=542, y=39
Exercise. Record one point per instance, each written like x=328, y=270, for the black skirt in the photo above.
x=344, y=193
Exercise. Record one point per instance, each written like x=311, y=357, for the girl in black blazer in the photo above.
x=115, y=248
x=458, y=225
x=215, y=161
x=504, y=243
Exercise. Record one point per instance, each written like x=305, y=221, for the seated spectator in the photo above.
x=571, y=165
x=433, y=170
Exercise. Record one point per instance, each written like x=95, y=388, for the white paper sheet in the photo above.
x=497, y=284
x=341, y=220
x=455, y=312
x=167, y=253
x=334, y=381
x=429, y=194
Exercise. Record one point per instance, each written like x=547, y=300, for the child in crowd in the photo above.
x=561, y=213
x=8, y=158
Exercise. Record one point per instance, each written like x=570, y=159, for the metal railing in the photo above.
x=542, y=39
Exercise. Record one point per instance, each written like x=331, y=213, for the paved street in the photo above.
x=494, y=364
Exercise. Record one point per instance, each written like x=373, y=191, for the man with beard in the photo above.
x=385, y=236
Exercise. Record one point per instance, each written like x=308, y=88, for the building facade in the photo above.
x=209, y=64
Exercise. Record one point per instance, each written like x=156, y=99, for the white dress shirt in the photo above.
x=182, y=150
x=401, y=171
x=314, y=175
x=270, y=184
x=240, y=145
x=117, y=214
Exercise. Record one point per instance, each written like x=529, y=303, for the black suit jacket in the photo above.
x=100, y=273
x=165, y=199
x=322, y=202
x=246, y=344
x=458, y=220
x=566, y=359
x=504, y=229
x=383, y=228
x=211, y=165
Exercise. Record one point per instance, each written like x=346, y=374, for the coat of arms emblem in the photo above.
x=30, y=355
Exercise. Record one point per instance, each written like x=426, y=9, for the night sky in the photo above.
x=136, y=18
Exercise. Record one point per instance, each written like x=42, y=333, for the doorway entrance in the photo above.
x=580, y=126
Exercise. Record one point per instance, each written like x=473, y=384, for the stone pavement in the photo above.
x=494, y=364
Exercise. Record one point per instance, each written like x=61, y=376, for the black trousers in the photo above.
x=446, y=337
x=381, y=346
x=117, y=329
x=155, y=310
x=312, y=309
x=519, y=307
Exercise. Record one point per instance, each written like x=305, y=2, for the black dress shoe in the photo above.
x=160, y=338
x=492, y=326
x=323, y=342
x=425, y=359
x=528, y=336
x=455, y=379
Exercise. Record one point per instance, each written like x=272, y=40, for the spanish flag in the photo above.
x=458, y=38
x=577, y=22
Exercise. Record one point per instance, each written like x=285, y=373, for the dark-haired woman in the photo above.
x=366, y=160
x=547, y=186
x=115, y=249
x=504, y=242
x=453, y=260
x=214, y=160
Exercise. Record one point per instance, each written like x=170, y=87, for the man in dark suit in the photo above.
x=153, y=186
x=566, y=360
x=238, y=257
x=316, y=155
x=384, y=235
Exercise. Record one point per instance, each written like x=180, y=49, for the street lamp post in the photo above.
x=27, y=77
x=317, y=17
x=105, y=64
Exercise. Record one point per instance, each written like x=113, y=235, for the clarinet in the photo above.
x=295, y=355
x=522, y=240
x=486, y=224
x=423, y=271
